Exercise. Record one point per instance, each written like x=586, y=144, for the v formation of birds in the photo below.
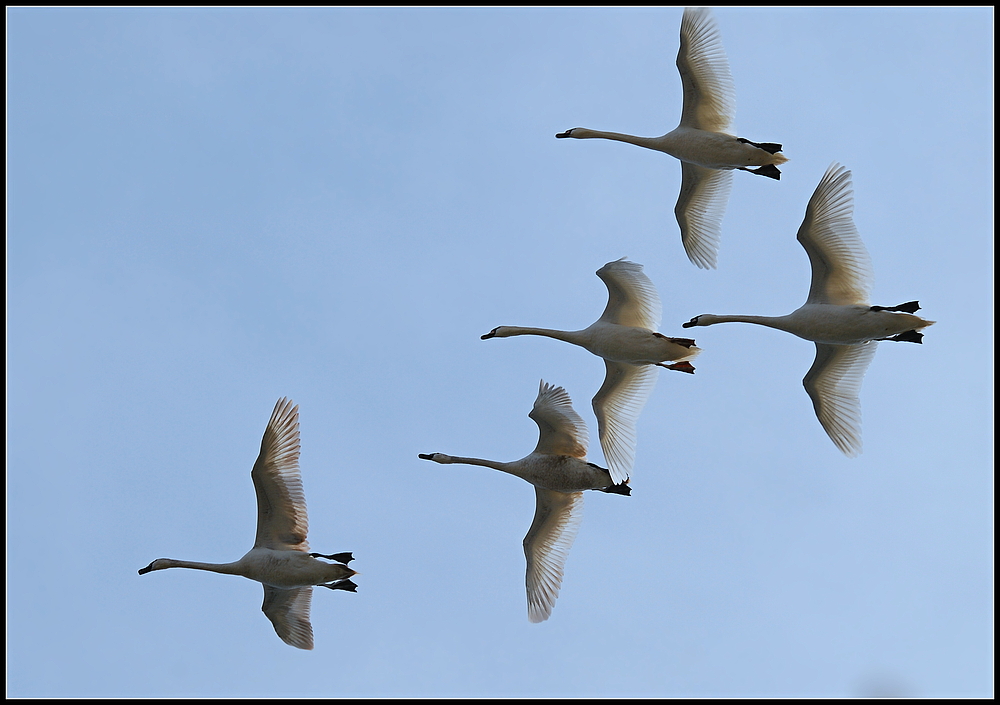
x=837, y=316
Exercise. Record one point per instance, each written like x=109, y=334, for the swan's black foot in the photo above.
x=910, y=336
x=908, y=307
x=768, y=170
x=344, y=558
x=769, y=147
x=346, y=584
x=683, y=366
x=621, y=488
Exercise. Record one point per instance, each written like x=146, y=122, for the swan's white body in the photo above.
x=280, y=557
x=559, y=470
x=625, y=336
x=705, y=140
x=837, y=315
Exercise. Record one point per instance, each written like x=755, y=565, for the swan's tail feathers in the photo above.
x=347, y=584
x=683, y=366
x=768, y=170
x=620, y=488
x=344, y=558
x=910, y=336
x=908, y=307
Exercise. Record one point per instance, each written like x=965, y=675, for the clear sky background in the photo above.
x=212, y=209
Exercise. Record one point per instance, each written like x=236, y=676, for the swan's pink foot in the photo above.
x=683, y=366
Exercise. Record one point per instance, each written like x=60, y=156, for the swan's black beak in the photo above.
x=425, y=456
x=148, y=568
x=567, y=133
x=489, y=335
x=692, y=323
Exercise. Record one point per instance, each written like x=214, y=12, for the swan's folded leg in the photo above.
x=347, y=584
x=768, y=170
x=683, y=366
x=908, y=307
x=620, y=488
x=344, y=558
x=910, y=336
x=769, y=147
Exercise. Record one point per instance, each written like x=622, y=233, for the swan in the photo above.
x=837, y=315
x=559, y=470
x=280, y=557
x=625, y=336
x=704, y=139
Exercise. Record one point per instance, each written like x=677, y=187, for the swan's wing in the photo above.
x=834, y=383
x=288, y=611
x=546, y=546
x=841, y=266
x=632, y=298
x=709, y=95
x=281, y=504
x=699, y=210
x=617, y=405
x=561, y=431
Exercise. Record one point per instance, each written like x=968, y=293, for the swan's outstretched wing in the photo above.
x=281, y=505
x=617, y=405
x=699, y=210
x=834, y=383
x=841, y=266
x=546, y=546
x=561, y=431
x=709, y=95
x=632, y=298
x=288, y=611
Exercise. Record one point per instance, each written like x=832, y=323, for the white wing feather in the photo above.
x=709, y=94
x=288, y=611
x=561, y=431
x=617, y=405
x=700, y=207
x=546, y=547
x=834, y=385
x=841, y=266
x=282, y=522
x=632, y=298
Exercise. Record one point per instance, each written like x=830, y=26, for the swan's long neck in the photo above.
x=226, y=568
x=450, y=459
x=569, y=336
x=648, y=142
x=779, y=322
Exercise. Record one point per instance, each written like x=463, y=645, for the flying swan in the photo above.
x=704, y=141
x=280, y=557
x=837, y=315
x=559, y=470
x=625, y=336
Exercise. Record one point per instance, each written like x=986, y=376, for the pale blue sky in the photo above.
x=211, y=209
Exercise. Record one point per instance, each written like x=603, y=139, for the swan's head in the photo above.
x=498, y=332
x=568, y=133
x=158, y=564
x=696, y=321
x=436, y=457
